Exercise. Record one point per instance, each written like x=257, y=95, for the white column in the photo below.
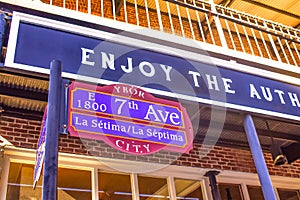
x=218, y=24
x=95, y=186
x=4, y=177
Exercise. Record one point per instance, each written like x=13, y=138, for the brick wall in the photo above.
x=24, y=132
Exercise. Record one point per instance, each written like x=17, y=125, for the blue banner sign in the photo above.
x=40, y=152
x=34, y=45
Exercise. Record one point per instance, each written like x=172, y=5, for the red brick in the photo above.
x=3, y=123
x=14, y=134
x=81, y=151
x=28, y=127
x=185, y=163
x=4, y=128
x=27, y=145
x=9, y=138
x=67, y=141
x=75, y=146
x=66, y=149
x=34, y=132
x=206, y=166
x=21, y=139
x=22, y=121
x=35, y=123
x=32, y=140
x=20, y=130
x=7, y=119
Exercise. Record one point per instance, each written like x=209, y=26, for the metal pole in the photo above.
x=52, y=129
x=259, y=160
x=213, y=184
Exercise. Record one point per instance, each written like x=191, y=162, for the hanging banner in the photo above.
x=40, y=152
x=128, y=119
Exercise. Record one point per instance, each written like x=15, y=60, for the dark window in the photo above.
x=73, y=184
x=188, y=189
x=285, y=194
x=114, y=186
x=255, y=193
x=20, y=180
x=230, y=191
x=153, y=188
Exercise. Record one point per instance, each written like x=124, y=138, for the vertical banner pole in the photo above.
x=53, y=129
x=259, y=160
x=213, y=184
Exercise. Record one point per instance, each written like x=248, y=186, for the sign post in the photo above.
x=52, y=129
x=259, y=160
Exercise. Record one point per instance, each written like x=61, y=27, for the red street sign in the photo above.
x=128, y=119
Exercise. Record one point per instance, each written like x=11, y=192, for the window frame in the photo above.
x=90, y=163
x=246, y=178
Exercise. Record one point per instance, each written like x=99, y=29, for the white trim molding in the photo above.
x=94, y=164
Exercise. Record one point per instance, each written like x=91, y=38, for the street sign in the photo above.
x=40, y=152
x=129, y=119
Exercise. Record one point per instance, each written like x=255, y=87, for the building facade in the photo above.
x=207, y=37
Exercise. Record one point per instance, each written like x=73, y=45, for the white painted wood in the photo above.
x=147, y=14
x=134, y=186
x=92, y=164
x=277, y=194
x=136, y=13
x=4, y=177
x=164, y=36
x=157, y=7
x=171, y=187
x=255, y=39
x=170, y=17
x=206, y=189
x=218, y=25
x=187, y=10
x=114, y=9
x=125, y=12
x=89, y=7
x=144, y=44
x=245, y=192
x=180, y=20
x=95, y=185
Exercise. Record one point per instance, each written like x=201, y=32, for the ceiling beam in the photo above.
x=257, y=3
x=22, y=92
